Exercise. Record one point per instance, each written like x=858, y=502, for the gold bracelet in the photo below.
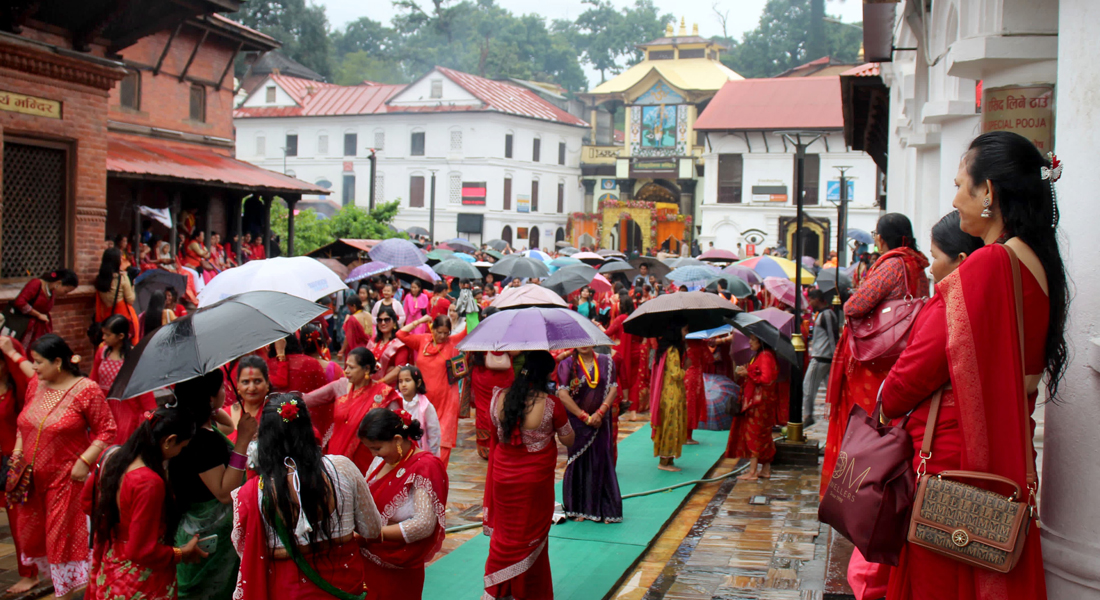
x=177, y=555
x=382, y=533
x=85, y=461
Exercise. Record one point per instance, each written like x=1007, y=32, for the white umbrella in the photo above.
x=299, y=276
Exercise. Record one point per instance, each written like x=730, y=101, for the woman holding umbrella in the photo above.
x=433, y=351
x=668, y=401
x=751, y=432
x=416, y=304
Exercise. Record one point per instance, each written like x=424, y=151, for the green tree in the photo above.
x=311, y=231
x=781, y=41
x=607, y=37
x=357, y=67
x=301, y=27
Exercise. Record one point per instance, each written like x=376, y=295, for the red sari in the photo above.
x=355, y=336
x=128, y=413
x=519, y=486
x=11, y=404
x=751, y=432
x=136, y=564
x=897, y=273
x=432, y=360
x=395, y=571
x=388, y=355
x=635, y=353
x=349, y=412
x=53, y=530
x=35, y=295
x=700, y=358
x=484, y=380
x=966, y=337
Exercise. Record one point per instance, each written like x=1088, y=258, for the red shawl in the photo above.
x=251, y=541
x=354, y=334
x=347, y=415
x=391, y=491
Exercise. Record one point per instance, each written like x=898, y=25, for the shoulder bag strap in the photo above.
x=1018, y=288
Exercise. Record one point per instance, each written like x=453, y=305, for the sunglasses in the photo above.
x=385, y=320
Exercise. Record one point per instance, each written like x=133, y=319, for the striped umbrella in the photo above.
x=538, y=255
x=398, y=252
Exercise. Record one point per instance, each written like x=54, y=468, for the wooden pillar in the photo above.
x=237, y=206
x=291, y=202
x=267, y=200
x=174, y=209
x=206, y=221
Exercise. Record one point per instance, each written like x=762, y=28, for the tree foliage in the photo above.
x=311, y=231
x=607, y=37
x=781, y=41
x=301, y=27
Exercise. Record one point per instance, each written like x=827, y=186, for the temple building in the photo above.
x=640, y=186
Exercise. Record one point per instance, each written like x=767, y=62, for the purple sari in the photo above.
x=590, y=488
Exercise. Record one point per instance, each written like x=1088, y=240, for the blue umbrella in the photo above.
x=706, y=334
x=538, y=255
x=370, y=269
x=564, y=261
x=397, y=252
x=464, y=256
x=692, y=273
x=860, y=236
x=460, y=244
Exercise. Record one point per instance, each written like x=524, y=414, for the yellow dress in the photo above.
x=669, y=436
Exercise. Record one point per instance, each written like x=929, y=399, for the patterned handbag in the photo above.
x=457, y=367
x=971, y=524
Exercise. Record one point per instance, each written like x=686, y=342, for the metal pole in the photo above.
x=373, y=159
x=841, y=240
x=431, y=212
x=291, y=202
x=794, y=424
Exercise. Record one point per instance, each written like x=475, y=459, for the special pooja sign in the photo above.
x=1026, y=110
x=29, y=105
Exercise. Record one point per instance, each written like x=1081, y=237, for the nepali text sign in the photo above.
x=29, y=105
x=1026, y=110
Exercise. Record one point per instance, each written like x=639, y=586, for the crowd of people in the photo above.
x=317, y=466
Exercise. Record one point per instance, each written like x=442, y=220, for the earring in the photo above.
x=400, y=449
x=986, y=213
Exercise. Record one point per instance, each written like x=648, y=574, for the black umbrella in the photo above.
x=685, y=261
x=417, y=231
x=698, y=310
x=156, y=280
x=515, y=265
x=561, y=244
x=656, y=267
x=209, y=338
x=827, y=281
x=498, y=245
x=750, y=324
x=567, y=280
x=568, y=251
x=616, y=266
x=456, y=267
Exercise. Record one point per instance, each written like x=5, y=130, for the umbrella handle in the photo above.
x=233, y=365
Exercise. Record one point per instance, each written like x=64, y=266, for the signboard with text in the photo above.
x=833, y=190
x=29, y=105
x=1026, y=110
x=523, y=204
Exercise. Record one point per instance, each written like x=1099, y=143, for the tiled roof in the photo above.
x=315, y=98
x=775, y=104
x=499, y=96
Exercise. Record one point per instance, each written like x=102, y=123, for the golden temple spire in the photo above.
x=683, y=28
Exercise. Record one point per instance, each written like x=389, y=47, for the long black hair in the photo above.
x=1012, y=164
x=385, y=310
x=672, y=338
x=154, y=313
x=538, y=366
x=897, y=231
x=193, y=395
x=626, y=304
x=951, y=239
x=382, y=424
x=65, y=276
x=109, y=266
x=120, y=325
x=280, y=441
x=53, y=347
x=293, y=346
x=144, y=443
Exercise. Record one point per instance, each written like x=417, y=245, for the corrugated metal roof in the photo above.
x=315, y=98
x=502, y=97
x=864, y=70
x=189, y=163
x=773, y=104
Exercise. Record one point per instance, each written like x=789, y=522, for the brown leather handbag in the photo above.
x=971, y=524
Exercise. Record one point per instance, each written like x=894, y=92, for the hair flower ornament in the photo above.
x=1052, y=174
x=289, y=410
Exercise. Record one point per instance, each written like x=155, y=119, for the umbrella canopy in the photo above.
x=567, y=280
x=781, y=288
x=692, y=273
x=734, y=285
x=568, y=251
x=719, y=255
x=534, y=329
x=494, y=253
x=773, y=266
x=335, y=266
x=440, y=254
x=456, y=267
x=699, y=310
x=299, y=276
x=483, y=267
x=423, y=274
x=861, y=236
x=601, y=285
x=561, y=244
x=607, y=252
x=616, y=266
x=526, y=295
x=370, y=269
x=767, y=332
x=520, y=266
x=418, y=231
x=498, y=245
x=684, y=261
x=809, y=262
x=463, y=256
x=656, y=267
x=210, y=337
x=829, y=279
x=538, y=255
x=398, y=252
x=564, y=261
x=706, y=334
x=589, y=258
x=748, y=275
x=156, y=280
x=460, y=245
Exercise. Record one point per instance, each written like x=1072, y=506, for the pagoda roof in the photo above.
x=687, y=74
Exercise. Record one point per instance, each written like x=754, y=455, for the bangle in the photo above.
x=382, y=534
x=85, y=461
x=238, y=461
x=18, y=360
x=177, y=555
x=280, y=357
x=584, y=416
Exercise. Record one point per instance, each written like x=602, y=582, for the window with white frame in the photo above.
x=456, y=189
x=456, y=141
x=322, y=144
x=261, y=142
x=437, y=88
x=270, y=94
x=379, y=140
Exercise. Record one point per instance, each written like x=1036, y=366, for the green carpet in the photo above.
x=588, y=559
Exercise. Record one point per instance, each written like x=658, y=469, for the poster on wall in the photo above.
x=1026, y=110
x=833, y=191
x=607, y=184
x=521, y=233
x=523, y=205
x=658, y=126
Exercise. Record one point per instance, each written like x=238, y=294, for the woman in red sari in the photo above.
x=432, y=351
x=253, y=386
x=294, y=524
x=63, y=428
x=634, y=376
x=519, y=485
x=364, y=394
x=291, y=370
x=751, y=431
x=105, y=367
x=700, y=357
x=131, y=511
x=37, y=298
x=897, y=274
x=389, y=352
x=114, y=294
x=13, y=390
x=488, y=371
x=356, y=326
x=409, y=487
x=966, y=338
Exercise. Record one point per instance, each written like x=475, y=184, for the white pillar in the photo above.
x=1071, y=455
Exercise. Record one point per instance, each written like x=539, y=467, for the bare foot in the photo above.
x=630, y=416
x=669, y=468
x=691, y=442
x=747, y=477
x=21, y=586
x=766, y=472
x=578, y=519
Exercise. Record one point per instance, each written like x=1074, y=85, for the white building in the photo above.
x=750, y=167
x=506, y=163
x=1028, y=66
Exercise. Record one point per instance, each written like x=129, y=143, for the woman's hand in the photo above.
x=191, y=551
x=43, y=317
x=247, y=427
x=280, y=347
x=594, y=421
x=6, y=346
x=80, y=471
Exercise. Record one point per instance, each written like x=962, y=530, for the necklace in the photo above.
x=593, y=378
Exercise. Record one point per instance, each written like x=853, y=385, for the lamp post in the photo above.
x=841, y=235
x=431, y=210
x=373, y=158
x=800, y=140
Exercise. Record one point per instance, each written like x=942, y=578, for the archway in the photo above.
x=658, y=190
x=559, y=236
x=630, y=236
x=533, y=238
x=506, y=234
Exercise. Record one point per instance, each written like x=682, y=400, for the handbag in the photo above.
x=13, y=322
x=970, y=524
x=95, y=330
x=871, y=491
x=885, y=331
x=19, y=482
x=457, y=368
x=498, y=361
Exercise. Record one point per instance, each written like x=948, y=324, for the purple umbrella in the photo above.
x=751, y=277
x=534, y=329
x=398, y=252
x=783, y=321
x=782, y=289
x=368, y=270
